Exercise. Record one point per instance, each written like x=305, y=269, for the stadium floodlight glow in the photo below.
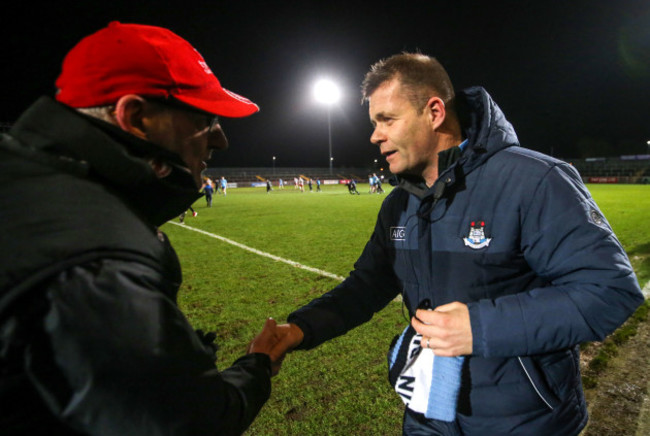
x=326, y=92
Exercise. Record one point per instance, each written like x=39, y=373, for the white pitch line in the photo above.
x=262, y=253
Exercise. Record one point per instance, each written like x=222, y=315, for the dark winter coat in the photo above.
x=92, y=341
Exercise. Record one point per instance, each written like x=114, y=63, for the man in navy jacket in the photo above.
x=503, y=259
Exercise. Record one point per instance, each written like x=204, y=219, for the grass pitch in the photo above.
x=341, y=387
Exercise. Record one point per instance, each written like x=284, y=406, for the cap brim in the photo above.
x=220, y=102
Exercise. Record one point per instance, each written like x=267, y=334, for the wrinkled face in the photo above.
x=405, y=136
x=190, y=134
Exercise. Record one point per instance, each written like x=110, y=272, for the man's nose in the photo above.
x=217, y=138
x=377, y=136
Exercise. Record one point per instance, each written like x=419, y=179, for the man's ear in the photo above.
x=129, y=114
x=437, y=111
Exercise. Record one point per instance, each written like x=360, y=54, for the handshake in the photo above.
x=276, y=341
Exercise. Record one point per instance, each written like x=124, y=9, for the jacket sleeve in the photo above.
x=368, y=289
x=115, y=356
x=591, y=290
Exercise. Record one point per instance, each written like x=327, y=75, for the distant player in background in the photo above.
x=208, y=190
x=181, y=217
x=318, y=185
x=352, y=187
x=377, y=183
x=224, y=185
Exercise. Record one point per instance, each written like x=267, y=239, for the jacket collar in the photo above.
x=108, y=156
x=487, y=132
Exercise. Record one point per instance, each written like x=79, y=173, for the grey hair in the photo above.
x=104, y=113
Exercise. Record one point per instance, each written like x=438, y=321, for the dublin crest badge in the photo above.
x=476, y=238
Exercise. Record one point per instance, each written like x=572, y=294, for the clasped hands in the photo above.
x=276, y=341
x=445, y=329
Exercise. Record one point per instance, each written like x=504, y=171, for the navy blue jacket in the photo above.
x=516, y=236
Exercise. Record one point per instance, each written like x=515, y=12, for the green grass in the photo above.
x=340, y=387
x=627, y=208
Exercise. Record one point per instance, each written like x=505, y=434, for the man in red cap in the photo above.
x=91, y=338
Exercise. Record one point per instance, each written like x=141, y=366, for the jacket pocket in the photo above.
x=561, y=370
x=538, y=382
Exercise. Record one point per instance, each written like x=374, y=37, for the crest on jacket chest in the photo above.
x=476, y=238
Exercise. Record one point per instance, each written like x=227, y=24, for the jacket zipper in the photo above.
x=533, y=384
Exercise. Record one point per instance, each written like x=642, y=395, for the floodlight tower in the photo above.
x=327, y=93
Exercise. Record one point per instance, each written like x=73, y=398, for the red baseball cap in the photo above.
x=144, y=60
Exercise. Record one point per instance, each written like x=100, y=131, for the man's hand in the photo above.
x=276, y=341
x=446, y=329
x=292, y=336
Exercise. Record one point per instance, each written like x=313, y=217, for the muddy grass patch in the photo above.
x=616, y=378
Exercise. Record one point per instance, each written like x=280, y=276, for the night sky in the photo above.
x=572, y=76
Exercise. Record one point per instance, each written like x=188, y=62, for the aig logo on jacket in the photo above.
x=398, y=233
x=476, y=238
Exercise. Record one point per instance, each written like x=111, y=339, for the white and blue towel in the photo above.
x=430, y=384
